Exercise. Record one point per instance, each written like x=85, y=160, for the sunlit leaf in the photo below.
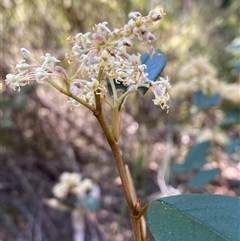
x=203, y=177
x=199, y=99
x=213, y=100
x=231, y=147
x=228, y=121
x=203, y=102
x=196, y=158
x=155, y=66
x=234, y=112
x=195, y=217
x=144, y=57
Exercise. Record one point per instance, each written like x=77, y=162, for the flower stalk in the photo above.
x=113, y=143
x=102, y=60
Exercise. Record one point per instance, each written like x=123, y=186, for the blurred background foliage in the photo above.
x=41, y=136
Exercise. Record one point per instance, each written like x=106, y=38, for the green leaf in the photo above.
x=199, y=99
x=228, y=121
x=144, y=57
x=213, y=100
x=234, y=183
x=234, y=112
x=203, y=177
x=231, y=147
x=202, y=101
x=195, y=217
x=155, y=66
x=195, y=158
x=233, y=116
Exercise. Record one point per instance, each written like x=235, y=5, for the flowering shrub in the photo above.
x=72, y=183
x=85, y=192
x=107, y=74
x=202, y=75
x=101, y=58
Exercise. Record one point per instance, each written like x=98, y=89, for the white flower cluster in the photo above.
x=160, y=89
x=30, y=69
x=200, y=74
x=101, y=57
x=105, y=51
x=72, y=183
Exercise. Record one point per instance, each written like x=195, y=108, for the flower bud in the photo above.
x=104, y=54
x=134, y=14
x=74, y=89
x=25, y=53
x=40, y=75
x=60, y=70
x=155, y=16
x=148, y=36
x=127, y=42
x=22, y=65
x=99, y=38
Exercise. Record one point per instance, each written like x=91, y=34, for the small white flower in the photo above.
x=102, y=28
x=83, y=188
x=156, y=15
x=12, y=80
x=22, y=65
x=70, y=179
x=94, y=84
x=104, y=54
x=159, y=89
x=87, y=184
x=131, y=24
x=74, y=103
x=89, y=98
x=16, y=80
x=60, y=190
x=40, y=75
x=48, y=61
